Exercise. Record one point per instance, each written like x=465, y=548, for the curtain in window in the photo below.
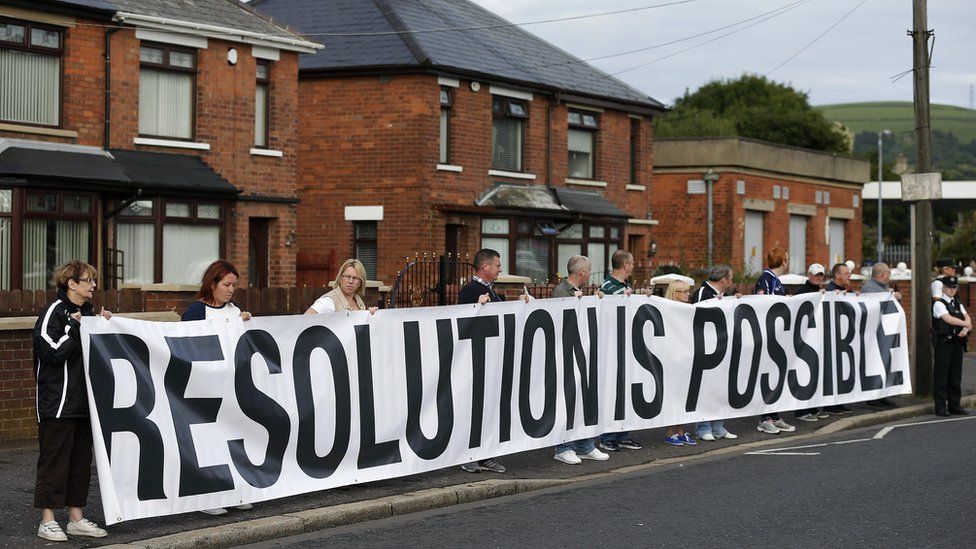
x=30, y=87
x=444, y=129
x=135, y=241
x=35, y=254
x=597, y=254
x=5, y=252
x=581, y=154
x=187, y=252
x=261, y=116
x=71, y=241
x=500, y=245
x=563, y=253
x=165, y=104
x=506, y=144
x=532, y=258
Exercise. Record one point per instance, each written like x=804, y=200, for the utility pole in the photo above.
x=922, y=219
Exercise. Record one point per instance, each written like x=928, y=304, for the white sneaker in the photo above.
x=729, y=436
x=244, y=507
x=86, y=528
x=216, y=512
x=708, y=437
x=51, y=531
x=767, y=426
x=568, y=457
x=783, y=426
x=595, y=455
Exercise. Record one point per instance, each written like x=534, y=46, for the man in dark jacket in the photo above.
x=64, y=430
x=840, y=281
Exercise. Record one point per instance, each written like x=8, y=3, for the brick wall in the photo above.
x=369, y=140
x=682, y=236
x=224, y=118
x=17, y=413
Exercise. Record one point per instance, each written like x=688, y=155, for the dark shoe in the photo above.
x=956, y=411
x=632, y=444
x=610, y=446
x=942, y=413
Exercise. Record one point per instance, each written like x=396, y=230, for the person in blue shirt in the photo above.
x=778, y=264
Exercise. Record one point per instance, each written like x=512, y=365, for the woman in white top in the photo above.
x=347, y=291
x=214, y=301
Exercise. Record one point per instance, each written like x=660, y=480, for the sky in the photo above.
x=853, y=62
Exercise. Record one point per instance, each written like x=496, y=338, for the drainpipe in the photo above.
x=710, y=178
x=552, y=103
x=108, y=85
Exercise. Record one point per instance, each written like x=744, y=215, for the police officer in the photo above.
x=950, y=326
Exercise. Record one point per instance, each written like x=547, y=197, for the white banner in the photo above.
x=196, y=415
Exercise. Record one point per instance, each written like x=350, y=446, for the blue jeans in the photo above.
x=614, y=437
x=714, y=428
x=581, y=446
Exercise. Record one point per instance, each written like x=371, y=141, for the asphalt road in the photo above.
x=913, y=487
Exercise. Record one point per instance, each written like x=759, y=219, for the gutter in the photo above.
x=303, y=46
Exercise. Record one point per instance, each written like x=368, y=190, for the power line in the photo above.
x=815, y=40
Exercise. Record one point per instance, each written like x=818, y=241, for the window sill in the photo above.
x=513, y=175
x=171, y=143
x=636, y=188
x=267, y=152
x=637, y=221
x=162, y=287
x=585, y=182
x=37, y=130
x=449, y=168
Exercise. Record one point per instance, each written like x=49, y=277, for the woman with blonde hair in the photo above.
x=347, y=292
x=64, y=434
x=679, y=290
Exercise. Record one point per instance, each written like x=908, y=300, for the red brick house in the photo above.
x=763, y=195
x=481, y=135
x=148, y=138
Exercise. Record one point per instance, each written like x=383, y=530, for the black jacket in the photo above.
x=703, y=293
x=474, y=290
x=58, y=366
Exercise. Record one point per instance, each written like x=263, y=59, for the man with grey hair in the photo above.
x=880, y=275
x=573, y=453
x=719, y=281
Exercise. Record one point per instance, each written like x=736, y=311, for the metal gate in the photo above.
x=428, y=280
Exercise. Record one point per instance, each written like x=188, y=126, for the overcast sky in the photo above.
x=853, y=62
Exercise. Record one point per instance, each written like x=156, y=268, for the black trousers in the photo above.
x=947, y=375
x=64, y=463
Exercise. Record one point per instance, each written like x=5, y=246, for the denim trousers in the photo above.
x=581, y=446
x=715, y=428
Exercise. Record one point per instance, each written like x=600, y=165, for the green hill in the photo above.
x=899, y=117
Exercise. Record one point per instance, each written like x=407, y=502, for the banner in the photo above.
x=196, y=415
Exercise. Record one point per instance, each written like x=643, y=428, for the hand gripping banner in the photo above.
x=196, y=415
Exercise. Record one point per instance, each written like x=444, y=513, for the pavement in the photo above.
x=306, y=513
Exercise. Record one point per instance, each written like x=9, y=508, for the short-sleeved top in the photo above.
x=936, y=289
x=612, y=286
x=939, y=308
x=704, y=293
x=324, y=304
x=564, y=289
x=199, y=310
x=769, y=284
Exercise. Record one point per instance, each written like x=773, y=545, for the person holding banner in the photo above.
x=573, y=453
x=678, y=290
x=622, y=265
x=719, y=281
x=840, y=280
x=214, y=301
x=951, y=326
x=64, y=433
x=778, y=262
x=347, y=293
x=488, y=265
x=813, y=284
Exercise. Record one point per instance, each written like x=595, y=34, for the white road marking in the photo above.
x=878, y=436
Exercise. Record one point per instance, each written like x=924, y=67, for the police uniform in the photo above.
x=947, y=374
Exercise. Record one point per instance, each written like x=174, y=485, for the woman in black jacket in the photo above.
x=64, y=429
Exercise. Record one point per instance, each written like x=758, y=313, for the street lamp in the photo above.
x=881, y=135
x=710, y=179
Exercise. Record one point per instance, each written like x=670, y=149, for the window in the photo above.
x=168, y=241
x=507, y=133
x=582, y=137
x=261, y=102
x=30, y=73
x=364, y=239
x=634, y=151
x=445, y=126
x=166, y=91
x=57, y=228
x=543, y=255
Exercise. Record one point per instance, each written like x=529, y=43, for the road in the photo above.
x=908, y=486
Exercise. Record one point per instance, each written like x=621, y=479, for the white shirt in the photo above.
x=936, y=289
x=324, y=304
x=939, y=309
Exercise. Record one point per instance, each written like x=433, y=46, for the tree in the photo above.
x=752, y=106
